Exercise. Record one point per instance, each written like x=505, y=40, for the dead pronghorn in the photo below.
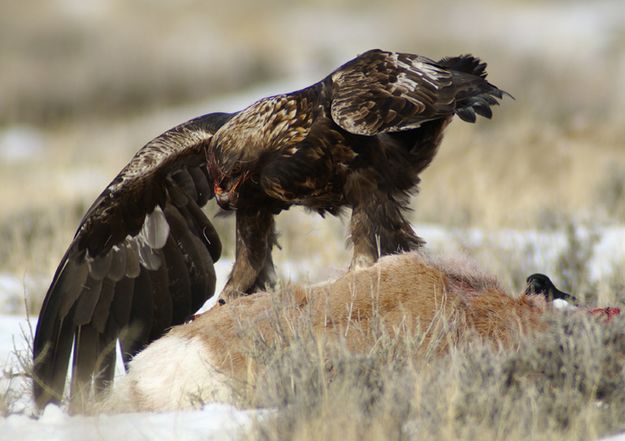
x=202, y=360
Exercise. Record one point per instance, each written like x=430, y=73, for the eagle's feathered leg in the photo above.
x=253, y=267
x=378, y=227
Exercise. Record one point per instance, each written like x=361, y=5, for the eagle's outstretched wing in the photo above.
x=141, y=261
x=381, y=92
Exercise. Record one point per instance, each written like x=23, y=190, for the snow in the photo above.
x=223, y=421
x=14, y=288
x=12, y=332
x=20, y=143
x=14, y=337
x=608, y=252
x=213, y=422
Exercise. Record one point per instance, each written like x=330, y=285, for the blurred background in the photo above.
x=541, y=187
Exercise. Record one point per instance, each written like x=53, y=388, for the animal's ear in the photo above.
x=538, y=302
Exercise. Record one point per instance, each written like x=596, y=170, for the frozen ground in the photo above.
x=213, y=421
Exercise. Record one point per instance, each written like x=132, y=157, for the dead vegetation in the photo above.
x=565, y=384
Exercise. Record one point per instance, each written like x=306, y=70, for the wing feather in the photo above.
x=118, y=263
x=102, y=309
x=202, y=186
x=381, y=92
x=121, y=304
x=86, y=350
x=163, y=304
x=196, y=261
x=115, y=280
x=178, y=281
x=139, y=327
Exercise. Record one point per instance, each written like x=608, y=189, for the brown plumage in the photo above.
x=357, y=139
x=142, y=258
x=140, y=262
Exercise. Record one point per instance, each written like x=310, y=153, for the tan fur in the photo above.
x=403, y=294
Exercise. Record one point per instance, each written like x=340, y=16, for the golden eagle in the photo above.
x=358, y=139
x=142, y=258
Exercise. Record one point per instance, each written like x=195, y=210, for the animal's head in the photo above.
x=540, y=284
x=228, y=176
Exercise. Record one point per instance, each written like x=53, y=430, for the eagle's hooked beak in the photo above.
x=224, y=198
x=228, y=199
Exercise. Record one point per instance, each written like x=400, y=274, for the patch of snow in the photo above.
x=13, y=290
x=619, y=437
x=14, y=346
x=213, y=422
x=12, y=332
x=20, y=143
x=608, y=251
x=555, y=30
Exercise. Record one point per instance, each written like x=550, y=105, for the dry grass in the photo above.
x=524, y=174
x=568, y=383
x=15, y=377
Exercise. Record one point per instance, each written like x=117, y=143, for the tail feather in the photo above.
x=466, y=64
x=474, y=95
x=466, y=114
x=483, y=109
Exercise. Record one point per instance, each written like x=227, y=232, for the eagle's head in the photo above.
x=226, y=191
x=239, y=151
x=228, y=177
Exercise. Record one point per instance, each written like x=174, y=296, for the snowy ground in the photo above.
x=213, y=422
x=220, y=421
